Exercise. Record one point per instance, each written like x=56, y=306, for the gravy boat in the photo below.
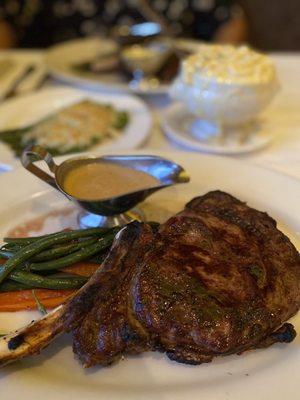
x=108, y=211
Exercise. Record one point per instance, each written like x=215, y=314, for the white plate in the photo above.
x=60, y=60
x=25, y=110
x=176, y=125
x=271, y=373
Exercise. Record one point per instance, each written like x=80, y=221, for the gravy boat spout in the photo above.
x=166, y=173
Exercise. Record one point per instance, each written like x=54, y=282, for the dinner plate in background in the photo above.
x=61, y=58
x=56, y=374
x=26, y=110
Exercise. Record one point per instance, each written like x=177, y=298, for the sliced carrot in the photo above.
x=24, y=300
x=84, y=268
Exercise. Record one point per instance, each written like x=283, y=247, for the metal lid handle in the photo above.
x=37, y=153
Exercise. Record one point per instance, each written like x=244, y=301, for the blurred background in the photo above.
x=113, y=49
x=267, y=25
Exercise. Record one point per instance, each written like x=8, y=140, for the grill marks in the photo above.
x=242, y=234
x=223, y=296
x=210, y=282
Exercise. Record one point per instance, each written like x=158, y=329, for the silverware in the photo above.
x=110, y=210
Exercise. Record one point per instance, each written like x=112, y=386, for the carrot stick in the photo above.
x=24, y=300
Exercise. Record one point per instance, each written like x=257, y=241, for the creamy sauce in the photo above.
x=97, y=181
x=228, y=64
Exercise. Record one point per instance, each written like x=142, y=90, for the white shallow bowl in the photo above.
x=271, y=373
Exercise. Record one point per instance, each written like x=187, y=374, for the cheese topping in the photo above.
x=78, y=126
x=228, y=64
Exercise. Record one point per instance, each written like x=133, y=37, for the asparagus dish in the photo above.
x=75, y=128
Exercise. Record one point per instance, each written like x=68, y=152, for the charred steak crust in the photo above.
x=108, y=329
x=218, y=278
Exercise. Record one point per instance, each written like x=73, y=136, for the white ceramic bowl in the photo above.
x=232, y=100
x=225, y=103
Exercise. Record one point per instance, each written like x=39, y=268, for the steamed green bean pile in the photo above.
x=36, y=262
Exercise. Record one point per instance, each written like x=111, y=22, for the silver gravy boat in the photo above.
x=116, y=210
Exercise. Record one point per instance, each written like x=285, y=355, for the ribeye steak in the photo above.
x=218, y=278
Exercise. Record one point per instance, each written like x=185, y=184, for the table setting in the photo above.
x=280, y=116
x=150, y=216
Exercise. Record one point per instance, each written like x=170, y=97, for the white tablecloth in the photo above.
x=282, y=119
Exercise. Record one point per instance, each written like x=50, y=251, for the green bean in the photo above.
x=51, y=253
x=77, y=232
x=99, y=258
x=22, y=241
x=62, y=250
x=11, y=247
x=37, y=281
x=80, y=255
x=11, y=286
x=6, y=253
x=42, y=244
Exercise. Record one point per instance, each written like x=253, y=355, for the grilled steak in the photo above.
x=109, y=329
x=218, y=278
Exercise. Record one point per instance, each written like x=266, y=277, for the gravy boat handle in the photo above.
x=37, y=153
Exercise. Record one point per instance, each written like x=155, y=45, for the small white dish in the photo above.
x=182, y=128
x=26, y=110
